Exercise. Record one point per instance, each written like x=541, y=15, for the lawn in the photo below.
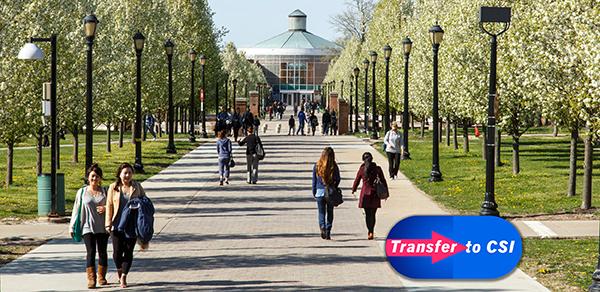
x=20, y=199
x=540, y=187
x=544, y=259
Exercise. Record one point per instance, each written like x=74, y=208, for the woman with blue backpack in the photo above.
x=224, y=151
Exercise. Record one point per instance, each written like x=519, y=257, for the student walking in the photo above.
x=89, y=207
x=292, y=124
x=236, y=122
x=314, y=122
x=224, y=152
x=120, y=193
x=334, y=123
x=393, y=142
x=325, y=174
x=301, y=121
x=252, y=141
x=369, y=173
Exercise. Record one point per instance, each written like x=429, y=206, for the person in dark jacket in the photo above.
x=236, y=122
x=292, y=124
x=325, y=120
x=301, y=121
x=251, y=141
x=325, y=174
x=224, y=151
x=333, y=123
x=314, y=122
x=369, y=201
x=119, y=193
x=247, y=121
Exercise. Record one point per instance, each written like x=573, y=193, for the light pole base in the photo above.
x=435, y=176
x=138, y=167
x=192, y=137
x=171, y=150
x=489, y=209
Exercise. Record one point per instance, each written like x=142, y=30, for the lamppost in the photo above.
x=366, y=67
x=356, y=71
x=226, y=92
x=32, y=52
x=89, y=26
x=407, y=46
x=202, y=63
x=387, y=52
x=374, y=130
x=489, y=206
x=351, y=105
x=169, y=46
x=216, y=100
x=234, y=92
x=138, y=41
x=437, y=34
x=192, y=54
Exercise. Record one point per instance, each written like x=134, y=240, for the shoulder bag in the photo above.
x=381, y=189
x=333, y=195
x=77, y=230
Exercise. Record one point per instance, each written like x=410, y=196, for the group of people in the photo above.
x=121, y=211
x=236, y=122
x=277, y=108
x=254, y=153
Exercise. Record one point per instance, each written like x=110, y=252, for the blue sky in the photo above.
x=252, y=21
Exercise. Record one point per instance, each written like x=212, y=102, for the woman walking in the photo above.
x=325, y=174
x=392, y=142
x=224, y=151
x=252, y=142
x=369, y=173
x=120, y=193
x=89, y=206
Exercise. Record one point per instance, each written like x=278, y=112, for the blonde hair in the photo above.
x=326, y=165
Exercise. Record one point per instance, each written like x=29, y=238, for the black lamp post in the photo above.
x=356, y=71
x=374, y=135
x=234, y=92
x=226, y=93
x=489, y=206
x=387, y=53
x=366, y=67
x=351, y=105
x=202, y=63
x=407, y=46
x=437, y=34
x=138, y=42
x=32, y=52
x=192, y=54
x=90, y=23
x=169, y=46
x=216, y=101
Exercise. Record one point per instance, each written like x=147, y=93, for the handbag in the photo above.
x=260, y=151
x=231, y=163
x=333, y=195
x=381, y=189
x=77, y=230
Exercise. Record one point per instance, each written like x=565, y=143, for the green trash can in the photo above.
x=44, y=194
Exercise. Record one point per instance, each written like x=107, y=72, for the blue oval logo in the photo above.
x=454, y=247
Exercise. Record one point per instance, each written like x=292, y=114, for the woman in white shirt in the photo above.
x=393, y=148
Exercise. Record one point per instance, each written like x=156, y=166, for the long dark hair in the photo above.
x=118, y=180
x=326, y=165
x=367, y=159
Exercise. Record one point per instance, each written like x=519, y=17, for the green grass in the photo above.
x=20, y=199
x=540, y=187
x=99, y=137
x=560, y=264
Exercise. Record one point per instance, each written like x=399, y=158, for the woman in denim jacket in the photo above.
x=325, y=174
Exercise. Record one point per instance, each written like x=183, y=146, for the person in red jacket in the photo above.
x=368, y=172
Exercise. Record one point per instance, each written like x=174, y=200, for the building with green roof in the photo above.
x=294, y=62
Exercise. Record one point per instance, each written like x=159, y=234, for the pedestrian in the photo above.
x=247, y=121
x=325, y=120
x=325, y=174
x=89, y=206
x=120, y=193
x=292, y=124
x=301, y=121
x=256, y=125
x=314, y=122
x=252, y=142
x=334, y=123
x=369, y=173
x=236, y=122
x=393, y=142
x=150, y=126
x=224, y=151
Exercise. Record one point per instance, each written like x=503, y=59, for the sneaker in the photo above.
x=227, y=181
x=323, y=235
x=220, y=183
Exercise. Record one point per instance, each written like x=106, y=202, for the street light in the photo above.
x=366, y=119
x=169, y=46
x=373, y=55
x=489, y=206
x=351, y=105
x=138, y=41
x=202, y=63
x=387, y=53
x=407, y=46
x=437, y=33
x=234, y=92
x=89, y=26
x=226, y=92
x=30, y=51
x=356, y=71
x=192, y=54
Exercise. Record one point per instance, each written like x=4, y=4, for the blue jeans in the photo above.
x=325, y=209
x=224, y=167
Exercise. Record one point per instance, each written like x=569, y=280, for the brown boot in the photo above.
x=102, y=275
x=91, y=277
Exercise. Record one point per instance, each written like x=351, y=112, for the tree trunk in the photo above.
x=587, y=174
x=554, y=129
x=440, y=131
x=144, y=131
x=175, y=119
x=412, y=121
x=57, y=151
x=160, y=131
x=572, y=189
x=133, y=133
x=465, y=136
x=455, y=136
x=9, y=163
x=75, y=145
x=183, y=130
x=448, y=131
x=484, y=131
x=498, y=147
x=108, y=140
x=515, y=162
x=423, y=127
x=121, y=130
x=40, y=138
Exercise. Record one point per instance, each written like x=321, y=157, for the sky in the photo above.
x=252, y=21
